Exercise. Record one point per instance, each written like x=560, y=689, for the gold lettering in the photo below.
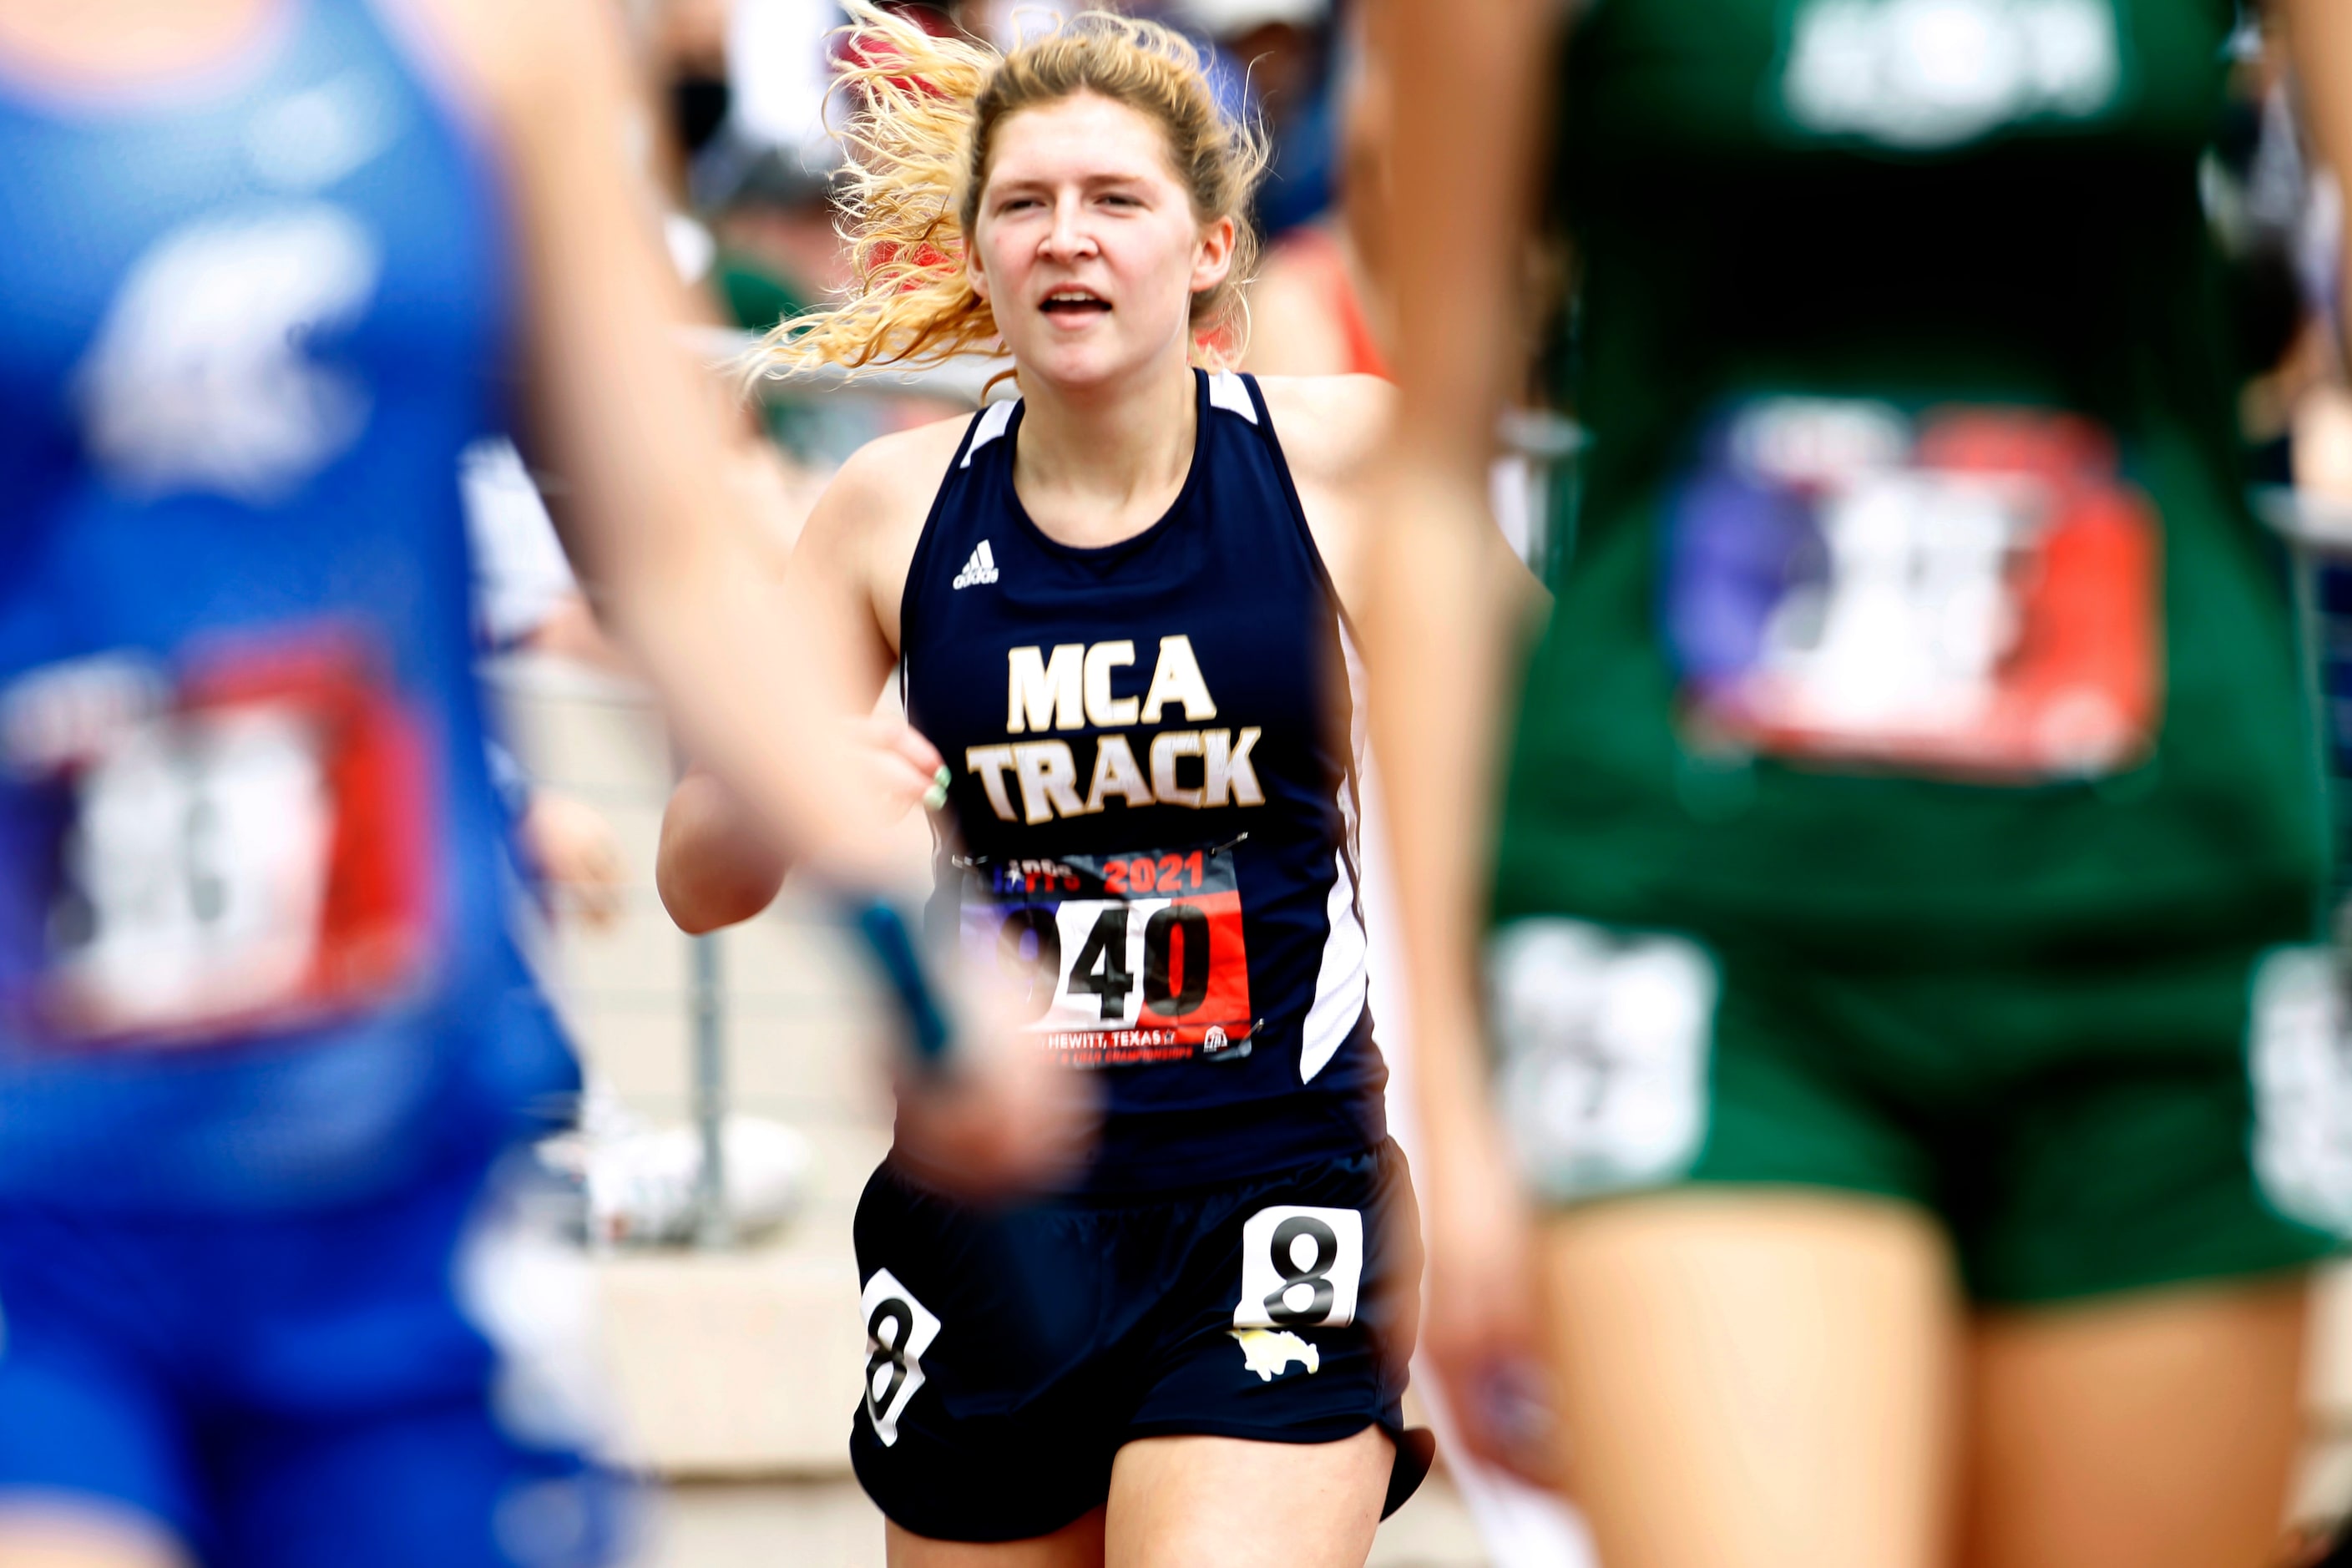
x=1049, y=779
x=1101, y=707
x=1039, y=689
x=1165, y=748
x=1226, y=767
x=990, y=762
x=1116, y=773
x=1177, y=678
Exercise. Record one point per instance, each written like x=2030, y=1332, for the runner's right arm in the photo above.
x=717, y=865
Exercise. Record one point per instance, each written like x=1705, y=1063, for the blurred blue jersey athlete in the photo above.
x=261, y=1032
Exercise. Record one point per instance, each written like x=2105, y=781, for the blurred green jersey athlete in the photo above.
x=1911, y=836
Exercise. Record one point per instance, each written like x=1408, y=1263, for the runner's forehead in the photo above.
x=1084, y=139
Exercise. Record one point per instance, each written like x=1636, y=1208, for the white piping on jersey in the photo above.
x=1226, y=392
x=992, y=422
x=1343, y=983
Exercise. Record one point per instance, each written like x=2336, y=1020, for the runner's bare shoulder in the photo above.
x=868, y=522
x=886, y=487
x=1332, y=426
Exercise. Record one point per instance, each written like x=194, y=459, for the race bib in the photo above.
x=1122, y=958
x=1922, y=75
x=1603, y=1042
x=1971, y=593
x=241, y=848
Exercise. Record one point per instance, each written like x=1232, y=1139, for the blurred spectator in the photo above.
x=691, y=48
x=777, y=253
x=526, y=599
x=1274, y=62
x=745, y=83
x=1317, y=308
x=525, y=595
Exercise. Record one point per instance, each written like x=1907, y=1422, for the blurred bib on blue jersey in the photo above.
x=1967, y=591
x=233, y=844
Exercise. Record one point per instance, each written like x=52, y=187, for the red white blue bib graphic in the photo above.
x=1124, y=959
x=1971, y=593
x=243, y=847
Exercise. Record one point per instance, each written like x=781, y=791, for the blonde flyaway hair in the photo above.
x=924, y=116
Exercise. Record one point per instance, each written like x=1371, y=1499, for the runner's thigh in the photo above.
x=1078, y=1544
x=1754, y=1378
x=2154, y=1430
x=1180, y=1502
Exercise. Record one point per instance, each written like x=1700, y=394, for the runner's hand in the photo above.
x=1481, y=1328
x=902, y=767
x=573, y=849
x=1000, y=1117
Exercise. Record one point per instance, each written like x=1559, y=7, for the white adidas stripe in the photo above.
x=981, y=568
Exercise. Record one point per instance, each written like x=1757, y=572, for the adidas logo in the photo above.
x=981, y=568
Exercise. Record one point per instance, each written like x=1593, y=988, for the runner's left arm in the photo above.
x=1335, y=432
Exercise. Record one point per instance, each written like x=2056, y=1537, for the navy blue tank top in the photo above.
x=1152, y=824
x=253, y=949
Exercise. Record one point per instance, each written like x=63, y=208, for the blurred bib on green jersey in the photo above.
x=2018, y=672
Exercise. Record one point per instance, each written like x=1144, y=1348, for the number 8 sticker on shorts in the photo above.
x=1300, y=1268
x=898, y=1330
x=1125, y=959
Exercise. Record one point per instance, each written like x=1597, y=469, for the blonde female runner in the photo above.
x=1119, y=606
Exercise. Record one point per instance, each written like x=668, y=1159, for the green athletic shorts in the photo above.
x=2080, y=1130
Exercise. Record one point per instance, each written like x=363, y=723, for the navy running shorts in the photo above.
x=1010, y=1353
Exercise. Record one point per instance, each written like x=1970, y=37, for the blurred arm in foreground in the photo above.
x=669, y=547
x=2319, y=37
x=1466, y=81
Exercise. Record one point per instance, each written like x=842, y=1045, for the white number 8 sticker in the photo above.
x=1300, y=1268
x=898, y=1330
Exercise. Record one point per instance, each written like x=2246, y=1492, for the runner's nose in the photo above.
x=1068, y=240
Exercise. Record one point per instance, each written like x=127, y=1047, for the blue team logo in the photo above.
x=207, y=374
